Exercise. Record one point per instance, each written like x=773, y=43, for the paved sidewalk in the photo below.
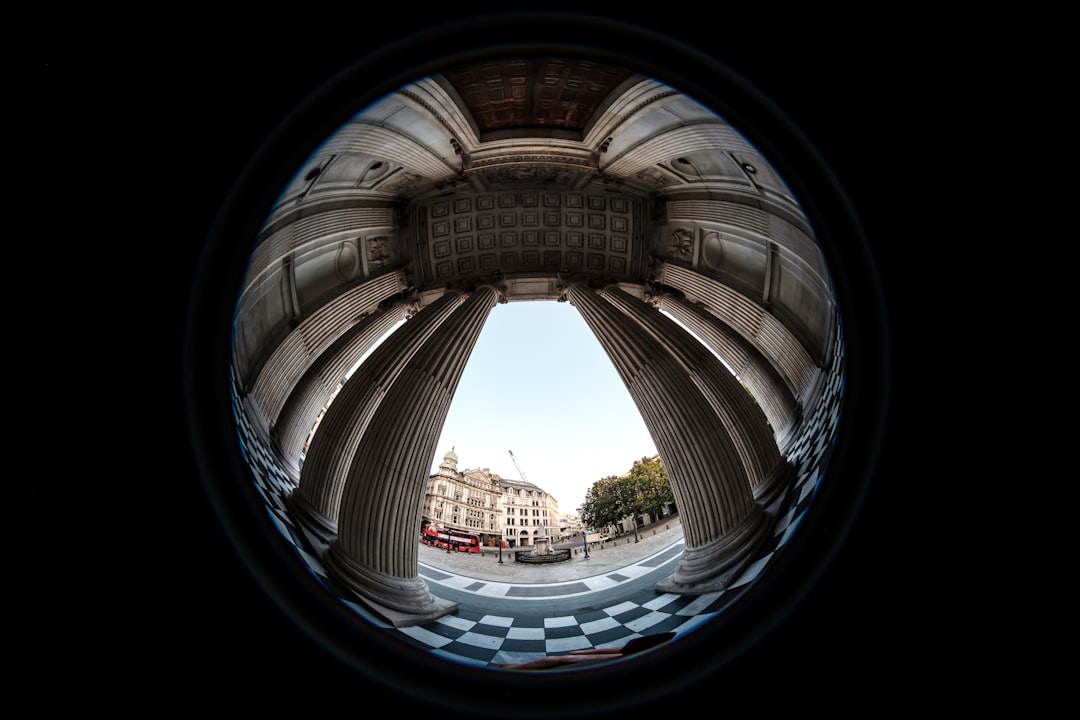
x=615, y=554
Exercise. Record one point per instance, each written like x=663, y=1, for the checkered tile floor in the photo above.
x=501, y=623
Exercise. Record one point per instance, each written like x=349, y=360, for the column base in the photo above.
x=290, y=465
x=774, y=487
x=401, y=619
x=317, y=526
x=787, y=435
x=401, y=601
x=716, y=566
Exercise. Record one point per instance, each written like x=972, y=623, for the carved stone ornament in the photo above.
x=380, y=252
x=548, y=175
x=655, y=177
x=682, y=243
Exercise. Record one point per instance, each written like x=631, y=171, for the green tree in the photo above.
x=644, y=489
x=601, y=505
x=651, y=486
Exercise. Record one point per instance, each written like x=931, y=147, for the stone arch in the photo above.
x=483, y=219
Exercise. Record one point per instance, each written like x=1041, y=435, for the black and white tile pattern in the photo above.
x=531, y=621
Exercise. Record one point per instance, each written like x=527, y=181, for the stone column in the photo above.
x=315, y=502
x=743, y=420
x=375, y=553
x=319, y=384
x=753, y=369
x=722, y=524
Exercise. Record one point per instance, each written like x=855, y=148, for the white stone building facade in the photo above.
x=482, y=502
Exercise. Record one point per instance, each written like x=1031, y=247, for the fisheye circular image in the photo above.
x=536, y=368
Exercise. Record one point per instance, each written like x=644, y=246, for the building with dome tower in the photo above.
x=480, y=501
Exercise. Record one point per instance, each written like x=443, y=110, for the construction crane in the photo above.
x=545, y=530
x=520, y=471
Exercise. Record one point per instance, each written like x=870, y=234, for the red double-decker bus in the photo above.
x=459, y=540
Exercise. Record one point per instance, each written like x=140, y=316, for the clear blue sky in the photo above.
x=539, y=385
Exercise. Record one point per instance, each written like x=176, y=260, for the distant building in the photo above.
x=494, y=507
x=569, y=526
x=529, y=514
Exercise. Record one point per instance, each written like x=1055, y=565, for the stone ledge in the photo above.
x=400, y=619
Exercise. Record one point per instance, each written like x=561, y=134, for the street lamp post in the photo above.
x=586, y=535
x=500, y=550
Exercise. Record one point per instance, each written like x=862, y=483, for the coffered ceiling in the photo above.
x=534, y=93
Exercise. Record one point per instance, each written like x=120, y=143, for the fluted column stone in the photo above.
x=743, y=420
x=316, y=500
x=767, y=386
x=375, y=553
x=722, y=524
x=748, y=318
x=317, y=388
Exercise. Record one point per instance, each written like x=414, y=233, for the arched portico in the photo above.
x=423, y=206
